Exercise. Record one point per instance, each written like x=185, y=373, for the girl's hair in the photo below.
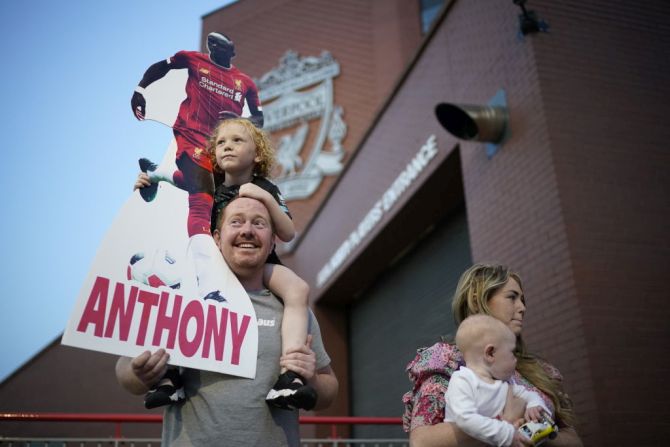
x=264, y=149
x=475, y=288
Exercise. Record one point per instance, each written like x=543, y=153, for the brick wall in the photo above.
x=372, y=40
x=604, y=76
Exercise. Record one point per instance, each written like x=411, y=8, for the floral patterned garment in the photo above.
x=430, y=372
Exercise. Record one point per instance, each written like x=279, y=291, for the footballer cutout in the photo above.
x=158, y=280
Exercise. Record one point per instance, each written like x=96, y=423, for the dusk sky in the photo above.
x=71, y=145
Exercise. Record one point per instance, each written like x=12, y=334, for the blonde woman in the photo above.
x=493, y=290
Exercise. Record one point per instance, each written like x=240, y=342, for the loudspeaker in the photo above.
x=476, y=123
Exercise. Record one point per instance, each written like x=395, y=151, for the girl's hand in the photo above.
x=142, y=181
x=254, y=192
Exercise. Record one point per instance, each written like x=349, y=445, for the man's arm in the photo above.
x=326, y=385
x=139, y=374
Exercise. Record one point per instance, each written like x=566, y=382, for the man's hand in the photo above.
x=149, y=368
x=139, y=105
x=301, y=360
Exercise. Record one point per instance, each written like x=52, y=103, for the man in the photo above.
x=215, y=89
x=225, y=410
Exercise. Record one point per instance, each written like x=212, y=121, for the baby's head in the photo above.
x=487, y=345
x=265, y=154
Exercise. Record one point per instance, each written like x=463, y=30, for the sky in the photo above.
x=71, y=145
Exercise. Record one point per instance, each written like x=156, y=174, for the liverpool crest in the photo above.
x=308, y=127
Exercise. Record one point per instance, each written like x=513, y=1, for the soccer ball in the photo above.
x=156, y=269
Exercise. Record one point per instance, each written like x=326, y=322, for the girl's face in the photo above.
x=509, y=306
x=235, y=150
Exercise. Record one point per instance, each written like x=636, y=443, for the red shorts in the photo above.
x=194, y=146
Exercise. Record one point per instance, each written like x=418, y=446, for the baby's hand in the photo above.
x=520, y=440
x=142, y=181
x=253, y=191
x=534, y=414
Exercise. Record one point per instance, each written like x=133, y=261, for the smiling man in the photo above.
x=226, y=410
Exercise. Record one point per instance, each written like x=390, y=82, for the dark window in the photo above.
x=429, y=11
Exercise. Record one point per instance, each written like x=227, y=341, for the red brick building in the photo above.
x=575, y=198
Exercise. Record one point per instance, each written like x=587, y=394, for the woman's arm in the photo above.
x=444, y=434
x=567, y=437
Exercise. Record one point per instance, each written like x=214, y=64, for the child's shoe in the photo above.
x=291, y=392
x=169, y=391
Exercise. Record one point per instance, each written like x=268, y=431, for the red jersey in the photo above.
x=210, y=89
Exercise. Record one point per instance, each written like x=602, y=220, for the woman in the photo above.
x=496, y=291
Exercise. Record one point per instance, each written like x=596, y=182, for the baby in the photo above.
x=478, y=391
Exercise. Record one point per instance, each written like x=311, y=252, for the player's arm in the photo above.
x=255, y=107
x=156, y=71
x=139, y=374
x=282, y=222
x=256, y=117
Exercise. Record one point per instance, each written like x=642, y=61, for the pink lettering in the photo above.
x=96, y=307
x=148, y=300
x=122, y=311
x=238, y=334
x=192, y=310
x=215, y=332
x=165, y=322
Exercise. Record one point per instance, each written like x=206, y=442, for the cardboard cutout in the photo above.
x=145, y=288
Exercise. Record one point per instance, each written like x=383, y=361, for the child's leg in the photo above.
x=294, y=291
x=199, y=183
x=291, y=390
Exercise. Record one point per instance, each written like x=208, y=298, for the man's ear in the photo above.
x=217, y=236
x=489, y=353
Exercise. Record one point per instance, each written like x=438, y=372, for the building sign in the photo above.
x=296, y=93
x=383, y=205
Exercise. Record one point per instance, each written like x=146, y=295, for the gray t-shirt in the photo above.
x=225, y=410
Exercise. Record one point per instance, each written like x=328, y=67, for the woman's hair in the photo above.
x=475, y=288
x=264, y=149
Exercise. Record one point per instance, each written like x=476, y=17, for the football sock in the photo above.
x=204, y=249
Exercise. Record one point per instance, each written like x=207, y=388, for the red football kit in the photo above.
x=210, y=89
